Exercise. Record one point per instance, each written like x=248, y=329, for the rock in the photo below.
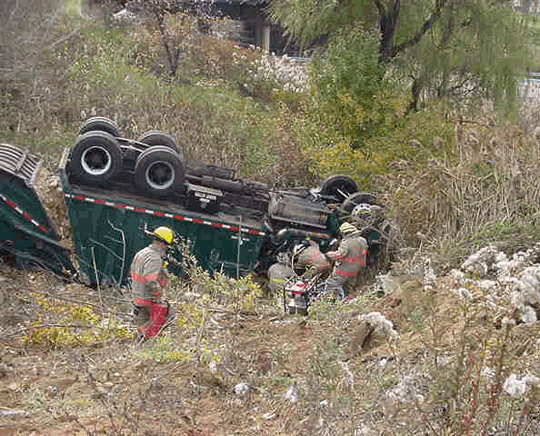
x=529, y=316
x=409, y=388
x=517, y=386
x=360, y=336
x=4, y=370
x=291, y=394
x=464, y=294
x=536, y=133
x=386, y=284
x=530, y=285
x=124, y=15
x=457, y=276
x=241, y=388
x=429, y=278
x=14, y=387
x=381, y=326
x=487, y=285
x=13, y=413
x=479, y=262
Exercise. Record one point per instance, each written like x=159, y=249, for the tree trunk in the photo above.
x=416, y=88
x=387, y=25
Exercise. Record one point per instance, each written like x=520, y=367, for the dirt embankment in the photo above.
x=223, y=371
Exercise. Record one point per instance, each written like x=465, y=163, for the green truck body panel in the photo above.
x=107, y=233
x=26, y=232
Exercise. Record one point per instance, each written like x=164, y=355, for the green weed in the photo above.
x=164, y=350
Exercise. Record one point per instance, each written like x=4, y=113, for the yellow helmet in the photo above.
x=164, y=234
x=347, y=228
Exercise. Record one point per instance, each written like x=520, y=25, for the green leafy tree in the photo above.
x=351, y=89
x=444, y=49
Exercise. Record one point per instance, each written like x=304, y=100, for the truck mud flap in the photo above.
x=27, y=235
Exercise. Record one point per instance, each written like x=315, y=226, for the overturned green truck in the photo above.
x=114, y=188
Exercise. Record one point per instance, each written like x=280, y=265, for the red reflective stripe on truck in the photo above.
x=168, y=215
x=24, y=214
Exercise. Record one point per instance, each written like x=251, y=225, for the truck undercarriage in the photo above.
x=113, y=187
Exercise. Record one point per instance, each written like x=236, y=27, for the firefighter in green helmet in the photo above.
x=308, y=257
x=148, y=283
x=348, y=259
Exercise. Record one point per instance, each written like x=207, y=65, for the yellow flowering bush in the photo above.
x=64, y=324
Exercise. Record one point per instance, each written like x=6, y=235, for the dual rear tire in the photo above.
x=97, y=159
x=159, y=171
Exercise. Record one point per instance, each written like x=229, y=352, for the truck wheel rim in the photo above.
x=96, y=161
x=361, y=209
x=160, y=175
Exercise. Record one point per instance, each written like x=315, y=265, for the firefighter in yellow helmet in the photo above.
x=149, y=282
x=348, y=259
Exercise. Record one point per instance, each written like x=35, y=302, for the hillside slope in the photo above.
x=457, y=357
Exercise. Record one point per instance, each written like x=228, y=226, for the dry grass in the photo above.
x=491, y=197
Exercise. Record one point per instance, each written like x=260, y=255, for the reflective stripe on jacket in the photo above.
x=312, y=257
x=278, y=274
x=148, y=277
x=350, y=256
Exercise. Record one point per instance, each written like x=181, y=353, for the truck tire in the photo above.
x=357, y=199
x=159, y=171
x=99, y=124
x=155, y=137
x=338, y=186
x=96, y=157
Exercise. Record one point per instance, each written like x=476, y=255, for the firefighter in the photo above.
x=279, y=273
x=348, y=259
x=148, y=283
x=308, y=257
